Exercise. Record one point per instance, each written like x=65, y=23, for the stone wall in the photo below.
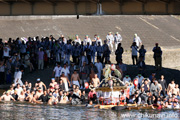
x=89, y=8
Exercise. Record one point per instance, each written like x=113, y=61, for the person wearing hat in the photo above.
x=126, y=78
x=140, y=79
x=157, y=56
x=53, y=82
x=40, y=84
x=137, y=40
x=86, y=40
x=77, y=39
x=110, y=40
x=117, y=39
x=98, y=40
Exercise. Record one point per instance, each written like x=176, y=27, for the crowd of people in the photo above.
x=69, y=79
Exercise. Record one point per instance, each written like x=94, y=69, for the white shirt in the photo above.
x=18, y=77
x=99, y=41
x=57, y=71
x=19, y=90
x=137, y=40
x=87, y=40
x=6, y=51
x=134, y=50
x=117, y=38
x=126, y=79
x=77, y=40
x=109, y=38
x=65, y=70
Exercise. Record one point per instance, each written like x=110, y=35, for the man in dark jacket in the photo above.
x=163, y=83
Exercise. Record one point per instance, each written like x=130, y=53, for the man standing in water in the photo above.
x=75, y=79
x=7, y=97
x=95, y=81
x=65, y=81
x=163, y=83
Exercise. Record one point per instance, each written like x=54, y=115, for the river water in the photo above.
x=25, y=111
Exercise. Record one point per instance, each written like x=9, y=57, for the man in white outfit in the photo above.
x=86, y=40
x=98, y=40
x=137, y=40
x=110, y=40
x=77, y=40
x=117, y=39
x=18, y=77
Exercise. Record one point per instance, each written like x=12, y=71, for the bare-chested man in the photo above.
x=53, y=83
x=21, y=97
x=7, y=97
x=95, y=81
x=38, y=94
x=91, y=76
x=75, y=78
x=65, y=81
x=30, y=97
x=40, y=84
x=52, y=100
x=171, y=86
x=176, y=90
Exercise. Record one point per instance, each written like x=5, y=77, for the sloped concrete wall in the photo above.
x=89, y=7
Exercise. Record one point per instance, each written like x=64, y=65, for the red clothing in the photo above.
x=159, y=107
x=90, y=95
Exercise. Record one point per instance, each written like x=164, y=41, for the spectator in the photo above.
x=119, y=53
x=142, y=52
x=41, y=59
x=134, y=52
x=157, y=57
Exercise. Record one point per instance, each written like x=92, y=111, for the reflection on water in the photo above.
x=19, y=111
